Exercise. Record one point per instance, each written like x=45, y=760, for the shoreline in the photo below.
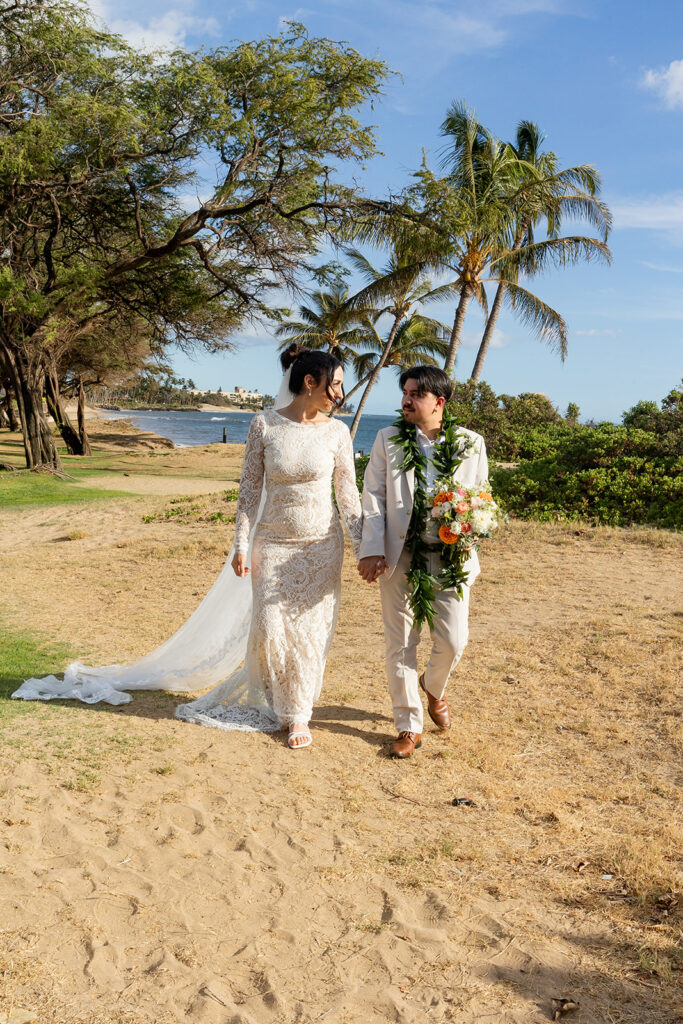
x=203, y=407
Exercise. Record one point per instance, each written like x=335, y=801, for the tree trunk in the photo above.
x=357, y=386
x=488, y=332
x=456, y=333
x=374, y=375
x=352, y=392
x=8, y=416
x=83, y=433
x=59, y=413
x=10, y=411
x=28, y=380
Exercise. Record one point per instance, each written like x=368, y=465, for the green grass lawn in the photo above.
x=27, y=490
x=22, y=655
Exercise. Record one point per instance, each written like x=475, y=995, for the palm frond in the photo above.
x=548, y=325
x=558, y=252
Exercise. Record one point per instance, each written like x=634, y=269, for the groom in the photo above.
x=389, y=498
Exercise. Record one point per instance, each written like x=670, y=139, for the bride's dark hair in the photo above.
x=309, y=362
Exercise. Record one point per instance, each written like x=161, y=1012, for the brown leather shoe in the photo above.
x=406, y=744
x=437, y=707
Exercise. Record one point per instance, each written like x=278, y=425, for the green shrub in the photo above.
x=513, y=426
x=603, y=473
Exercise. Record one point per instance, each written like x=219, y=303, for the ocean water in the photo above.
x=188, y=428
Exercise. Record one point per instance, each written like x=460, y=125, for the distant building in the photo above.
x=240, y=394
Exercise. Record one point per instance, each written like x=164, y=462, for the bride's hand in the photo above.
x=371, y=567
x=239, y=565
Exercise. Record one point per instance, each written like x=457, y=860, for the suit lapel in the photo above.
x=396, y=458
x=410, y=480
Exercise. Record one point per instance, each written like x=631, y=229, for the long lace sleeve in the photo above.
x=346, y=490
x=251, y=485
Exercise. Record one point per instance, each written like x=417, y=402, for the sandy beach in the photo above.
x=153, y=872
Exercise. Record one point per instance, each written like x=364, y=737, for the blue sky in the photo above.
x=605, y=83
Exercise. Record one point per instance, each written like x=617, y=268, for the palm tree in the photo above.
x=417, y=340
x=329, y=322
x=576, y=193
x=474, y=214
x=393, y=291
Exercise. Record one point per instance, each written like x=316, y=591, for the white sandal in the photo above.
x=305, y=732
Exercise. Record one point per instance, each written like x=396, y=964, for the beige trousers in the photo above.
x=449, y=638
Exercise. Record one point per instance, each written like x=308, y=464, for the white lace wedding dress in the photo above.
x=295, y=580
x=296, y=561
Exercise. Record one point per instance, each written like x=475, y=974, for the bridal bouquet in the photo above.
x=466, y=514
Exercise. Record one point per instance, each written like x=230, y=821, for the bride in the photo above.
x=298, y=544
x=294, y=452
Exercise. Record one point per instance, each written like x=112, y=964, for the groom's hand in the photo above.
x=371, y=567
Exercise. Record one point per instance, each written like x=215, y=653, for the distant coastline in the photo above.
x=211, y=424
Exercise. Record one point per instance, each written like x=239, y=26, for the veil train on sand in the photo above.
x=207, y=650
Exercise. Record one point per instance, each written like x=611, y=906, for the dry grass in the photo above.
x=357, y=889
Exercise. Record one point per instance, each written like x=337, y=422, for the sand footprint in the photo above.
x=101, y=965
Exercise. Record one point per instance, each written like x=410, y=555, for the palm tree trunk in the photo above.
x=488, y=332
x=456, y=333
x=356, y=386
x=495, y=312
x=374, y=374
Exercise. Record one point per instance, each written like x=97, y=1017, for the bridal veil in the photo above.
x=207, y=650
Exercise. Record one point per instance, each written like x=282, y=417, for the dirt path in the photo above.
x=153, y=871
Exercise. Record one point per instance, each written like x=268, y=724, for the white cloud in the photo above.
x=300, y=14
x=661, y=268
x=519, y=7
x=594, y=332
x=667, y=83
x=499, y=339
x=191, y=201
x=166, y=29
x=657, y=213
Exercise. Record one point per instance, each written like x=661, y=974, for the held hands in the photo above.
x=371, y=567
x=240, y=568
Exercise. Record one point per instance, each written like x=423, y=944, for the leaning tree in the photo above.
x=100, y=154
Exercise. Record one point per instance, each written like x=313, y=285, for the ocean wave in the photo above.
x=218, y=419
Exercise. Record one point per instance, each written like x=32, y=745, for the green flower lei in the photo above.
x=449, y=451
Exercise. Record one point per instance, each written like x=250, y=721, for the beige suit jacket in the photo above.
x=388, y=497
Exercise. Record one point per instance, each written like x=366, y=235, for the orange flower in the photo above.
x=443, y=496
x=485, y=495
x=447, y=536
x=466, y=528
x=462, y=507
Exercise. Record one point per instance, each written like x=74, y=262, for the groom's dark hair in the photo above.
x=428, y=378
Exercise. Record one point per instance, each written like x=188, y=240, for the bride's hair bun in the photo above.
x=291, y=354
x=309, y=362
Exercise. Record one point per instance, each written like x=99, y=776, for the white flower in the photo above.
x=455, y=527
x=437, y=512
x=445, y=507
x=482, y=521
x=476, y=502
